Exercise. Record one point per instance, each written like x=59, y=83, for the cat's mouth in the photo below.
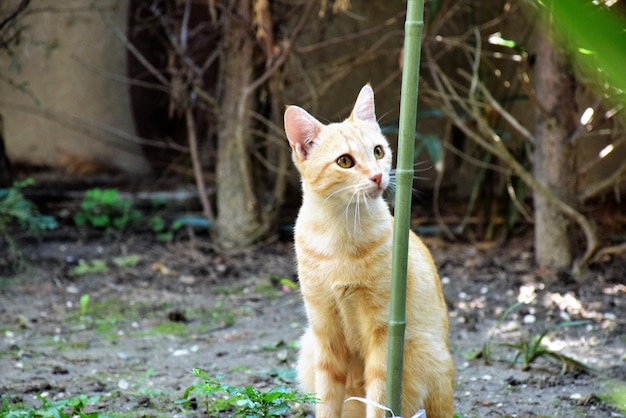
x=375, y=192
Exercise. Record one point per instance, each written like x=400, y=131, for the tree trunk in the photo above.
x=554, y=160
x=239, y=221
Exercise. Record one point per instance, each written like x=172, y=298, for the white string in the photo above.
x=419, y=414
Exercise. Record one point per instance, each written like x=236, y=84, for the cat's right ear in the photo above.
x=301, y=129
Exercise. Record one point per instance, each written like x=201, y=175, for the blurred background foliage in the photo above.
x=206, y=84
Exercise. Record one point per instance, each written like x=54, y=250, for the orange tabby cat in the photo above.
x=343, y=242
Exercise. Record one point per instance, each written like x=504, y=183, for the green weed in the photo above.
x=529, y=348
x=105, y=209
x=64, y=408
x=16, y=209
x=164, y=231
x=127, y=261
x=485, y=352
x=89, y=267
x=244, y=401
x=84, y=304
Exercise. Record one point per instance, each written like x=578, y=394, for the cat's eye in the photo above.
x=345, y=161
x=379, y=152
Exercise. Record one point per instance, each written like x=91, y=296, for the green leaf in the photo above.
x=100, y=221
x=89, y=204
x=110, y=197
x=80, y=219
x=127, y=261
x=157, y=223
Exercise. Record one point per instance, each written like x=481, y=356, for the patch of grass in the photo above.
x=89, y=267
x=107, y=326
x=242, y=368
x=222, y=316
x=267, y=290
x=177, y=329
x=244, y=401
x=614, y=394
x=104, y=317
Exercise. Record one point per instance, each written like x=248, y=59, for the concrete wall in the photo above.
x=75, y=109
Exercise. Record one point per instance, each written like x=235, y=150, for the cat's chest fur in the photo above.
x=344, y=267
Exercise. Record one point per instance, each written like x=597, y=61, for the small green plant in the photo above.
x=16, y=209
x=89, y=267
x=245, y=401
x=164, y=231
x=84, y=303
x=530, y=348
x=64, y=408
x=127, y=261
x=106, y=209
x=485, y=352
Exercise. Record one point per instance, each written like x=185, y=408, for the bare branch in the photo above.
x=346, y=38
x=184, y=27
x=612, y=250
x=14, y=14
x=133, y=50
x=497, y=147
x=501, y=111
x=197, y=166
x=120, y=78
x=617, y=177
x=591, y=164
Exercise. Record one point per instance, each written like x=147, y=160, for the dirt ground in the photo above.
x=150, y=319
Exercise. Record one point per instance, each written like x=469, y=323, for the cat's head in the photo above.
x=347, y=162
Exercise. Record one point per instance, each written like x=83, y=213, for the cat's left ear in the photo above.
x=301, y=129
x=364, y=107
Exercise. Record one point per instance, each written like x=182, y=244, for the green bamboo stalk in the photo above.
x=414, y=26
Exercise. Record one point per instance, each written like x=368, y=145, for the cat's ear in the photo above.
x=364, y=107
x=301, y=129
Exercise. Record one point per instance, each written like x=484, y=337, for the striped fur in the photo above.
x=343, y=241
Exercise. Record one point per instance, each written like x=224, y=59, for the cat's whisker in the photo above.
x=366, y=204
x=347, y=210
x=391, y=188
x=357, y=214
x=335, y=192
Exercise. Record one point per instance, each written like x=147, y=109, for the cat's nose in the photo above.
x=377, y=178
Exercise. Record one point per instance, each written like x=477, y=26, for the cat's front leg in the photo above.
x=330, y=393
x=320, y=371
x=376, y=373
x=331, y=367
